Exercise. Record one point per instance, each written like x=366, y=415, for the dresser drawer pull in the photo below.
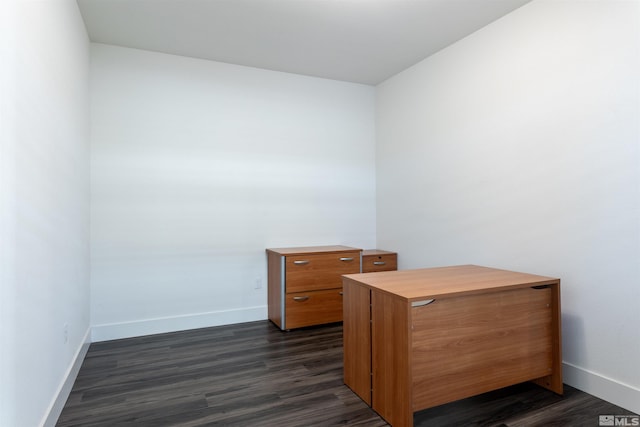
x=341, y=293
x=422, y=303
x=304, y=298
x=301, y=262
x=379, y=263
x=346, y=259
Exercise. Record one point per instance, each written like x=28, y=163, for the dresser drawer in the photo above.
x=309, y=272
x=377, y=261
x=305, y=283
x=313, y=308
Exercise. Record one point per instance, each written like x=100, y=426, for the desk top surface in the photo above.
x=447, y=281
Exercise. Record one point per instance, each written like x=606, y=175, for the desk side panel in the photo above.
x=469, y=345
x=357, y=339
x=391, y=358
x=553, y=382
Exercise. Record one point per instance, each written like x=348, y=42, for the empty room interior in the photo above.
x=151, y=153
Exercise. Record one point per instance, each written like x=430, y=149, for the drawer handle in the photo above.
x=301, y=262
x=379, y=263
x=304, y=298
x=341, y=293
x=422, y=303
x=345, y=259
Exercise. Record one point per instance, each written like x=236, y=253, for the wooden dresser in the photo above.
x=376, y=260
x=305, y=284
x=414, y=339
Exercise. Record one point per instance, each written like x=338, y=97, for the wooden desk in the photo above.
x=484, y=329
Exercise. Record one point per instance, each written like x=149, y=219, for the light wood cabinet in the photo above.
x=414, y=339
x=305, y=284
x=374, y=260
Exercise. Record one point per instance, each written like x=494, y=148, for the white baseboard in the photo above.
x=620, y=394
x=55, y=408
x=138, y=328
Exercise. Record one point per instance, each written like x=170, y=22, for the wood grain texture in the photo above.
x=319, y=271
x=312, y=250
x=371, y=252
x=357, y=339
x=299, y=281
x=553, y=381
x=391, y=359
x=376, y=260
x=253, y=374
x=313, y=308
x=522, y=405
x=447, y=282
x=239, y=375
x=274, y=287
x=481, y=329
x=473, y=344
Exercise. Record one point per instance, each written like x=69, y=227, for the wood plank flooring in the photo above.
x=252, y=374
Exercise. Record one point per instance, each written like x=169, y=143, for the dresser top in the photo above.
x=373, y=252
x=312, y=250
x=447, y=281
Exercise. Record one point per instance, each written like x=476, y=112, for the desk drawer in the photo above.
x=381, y=262
x=313, y=308
x=319, y=271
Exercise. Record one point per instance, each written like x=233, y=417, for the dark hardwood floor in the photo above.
x=252, y=374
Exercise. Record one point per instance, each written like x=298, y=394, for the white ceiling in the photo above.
x=363, y=41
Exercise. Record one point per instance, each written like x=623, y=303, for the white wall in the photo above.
x=517, y=148
x=199, y=166
x=44, y=207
